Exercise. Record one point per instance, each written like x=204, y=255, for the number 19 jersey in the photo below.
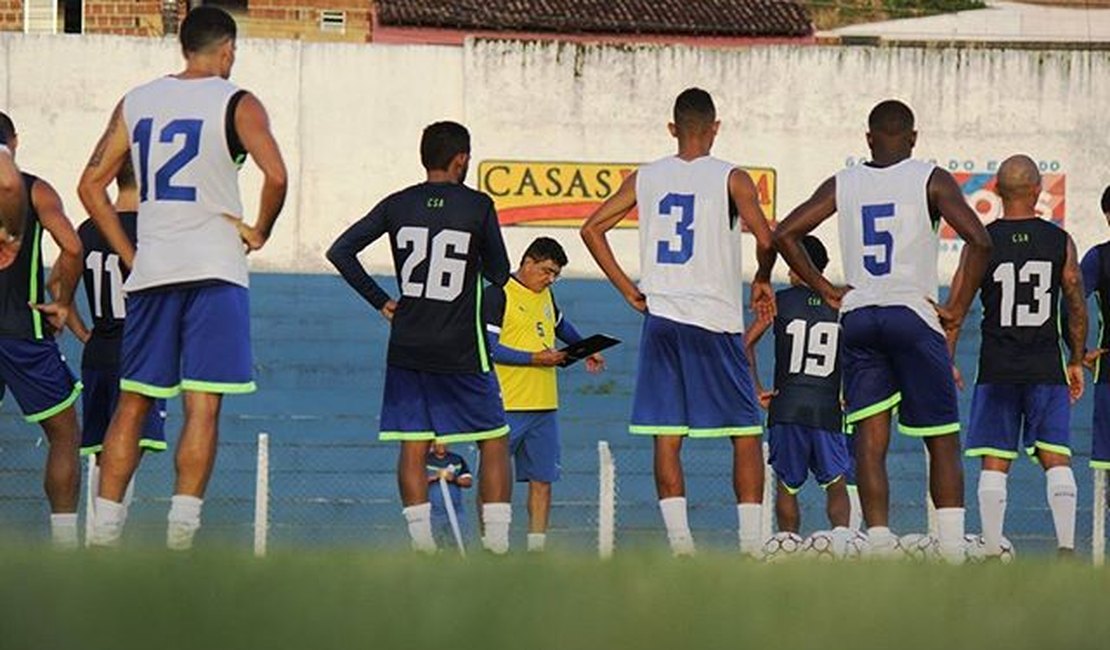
x=690, y=244
x=888, y=240
x=807, y=361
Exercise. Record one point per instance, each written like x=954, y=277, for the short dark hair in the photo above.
x=204, y=27
x=693, y=108
x=816, y=251
x=440, y=144
x=543, y=249
x=125, y=177
x=7, y=128
x=1106, y=200
x=890, y=117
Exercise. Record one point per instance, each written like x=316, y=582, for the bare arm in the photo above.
x=799, y=223
x=67, y=268
x=12, y=208
x=752, y=336
x=252, y=124
x=746, y=197
x=593, y=233
x=1072, y=285
x=947, y=199
x=104, y=164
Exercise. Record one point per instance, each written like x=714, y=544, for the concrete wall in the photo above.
x=348, y=117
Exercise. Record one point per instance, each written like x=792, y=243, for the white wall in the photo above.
x=348, y=117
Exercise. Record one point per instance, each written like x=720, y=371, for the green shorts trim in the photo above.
x=1056, y=449
x=218, y=387
x=978, y=452
x=151, y=445
x=420, y=436
x=658, y=430
x=1100, y=464
x=406, y=436
x=682, y=430
x=57, y=408
x=929, y=432
x=874, y=409
x=825, y=486
x=790, y=490
x=149, y=390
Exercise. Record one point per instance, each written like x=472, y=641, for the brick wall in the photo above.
x=128, y=17
x=11, y=15
x=301, y=19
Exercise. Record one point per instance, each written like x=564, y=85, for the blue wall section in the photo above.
x=319, y=357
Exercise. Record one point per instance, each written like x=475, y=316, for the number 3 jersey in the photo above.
x=1020, y=293
x=888, y=240
x=807, y=362
x=103, y=279
x=690, y=245
x=189, y=204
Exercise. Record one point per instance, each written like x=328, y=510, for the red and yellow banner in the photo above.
x=562, y=194
x=981, y=191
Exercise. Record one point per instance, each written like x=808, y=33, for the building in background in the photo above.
x=704, y=22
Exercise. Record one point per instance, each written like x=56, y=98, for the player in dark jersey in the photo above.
x=1096, y=279
x=31, y=365
x=1022, y=394
x=805, y=418
x=439, y=383
x=104, y=276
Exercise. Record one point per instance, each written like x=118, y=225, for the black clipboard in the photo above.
x=590, y=345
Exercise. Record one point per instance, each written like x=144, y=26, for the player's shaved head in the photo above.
x=694, y=111
x=816, y=251
x=125, y=177
x=7, y=129
x=206, y=27
x=890, y=117
x=440, y=144
x=1018, y=176
x=1106, y=200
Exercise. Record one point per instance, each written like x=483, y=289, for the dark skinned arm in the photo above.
x=1071, y=280
x=252, y=124
x=593, y=233
x=103, y=165
x=946, y=200
x=746, y=198
x=800, y=222
x=67, y=268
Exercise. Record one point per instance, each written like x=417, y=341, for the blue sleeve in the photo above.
x=1090, y=266
x=505, y=355
x=566, y=331
x=495, y=259
x=493, y=313
x=343, y=254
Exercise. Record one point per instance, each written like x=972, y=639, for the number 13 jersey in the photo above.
x=690, y=244
x=188, y=183
x=888, y=240
x=1020, y=293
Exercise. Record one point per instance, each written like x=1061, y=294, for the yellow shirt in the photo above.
x=528, y=323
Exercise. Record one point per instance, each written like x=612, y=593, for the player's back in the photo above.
x=888, y=239
x=188, y=182
x=1020, y=293
x=440, y=234
x=104, y=276
x=690, y=261
x=807, y=361
x=1101, y=288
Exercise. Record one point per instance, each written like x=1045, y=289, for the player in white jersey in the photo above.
x=693, y=378
x=188, y=313
x=893, y=332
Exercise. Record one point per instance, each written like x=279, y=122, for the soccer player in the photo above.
x=104, y=277
x=1096, y=279
x=892, y=331
x=523, y=322
x=1022, y=392
x=693, y=378
x=439, y=385
x=805, y=419
x=188, y=310
x=452, y=468
x=31, y=365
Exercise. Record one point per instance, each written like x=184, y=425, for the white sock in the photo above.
x=678, y=527
x=63, y=530
x=419, y=518
x=184, y=520
x=751, y=527
x=992, y=509
x=882, y=540
x=841, y=536
x=108, y=520
x=855, y=518
x=536, y=542
x=950, y=534
x=1061, y=489
x=496, y=517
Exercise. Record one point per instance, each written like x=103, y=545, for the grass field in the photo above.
x=212, y=599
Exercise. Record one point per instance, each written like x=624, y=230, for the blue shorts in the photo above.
x=36, y=373
x=694, y=382
x=418, y=405
x=195, y=339
x=98, y=403
x=534, y=445
x=892, y=358
x=1006, y=418
x=797, y=450
x=1100, y=434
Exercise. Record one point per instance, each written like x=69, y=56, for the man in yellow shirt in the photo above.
x=523, y=322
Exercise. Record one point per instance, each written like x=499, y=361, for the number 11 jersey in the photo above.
x=104, y=278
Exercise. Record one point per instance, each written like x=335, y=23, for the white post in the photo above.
x=92, y=483
x=606, y=501
x=767, y=523
x=1098, y=518
x=452, y=516
x=262, y=496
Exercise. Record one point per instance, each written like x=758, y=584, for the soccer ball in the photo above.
x=821, y=545
x=781, y=546
x=977, y=553
x=858, y=546
x=973, y=546
x=919, y=547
